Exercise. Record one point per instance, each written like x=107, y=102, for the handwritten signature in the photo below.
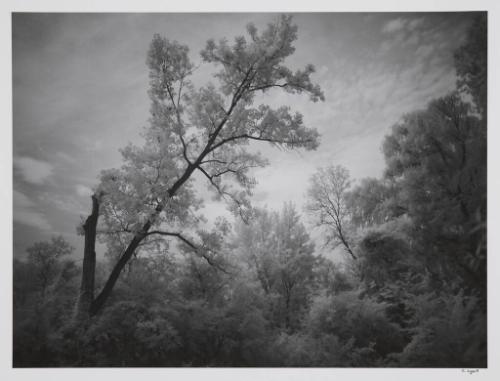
x=470, y=371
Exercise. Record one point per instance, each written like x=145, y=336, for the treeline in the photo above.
x=411, y=291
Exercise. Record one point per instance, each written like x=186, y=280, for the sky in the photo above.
x=80, y=93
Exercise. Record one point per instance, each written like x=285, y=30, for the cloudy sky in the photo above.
x=80, y=93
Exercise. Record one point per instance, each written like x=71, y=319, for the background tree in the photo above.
x=331, y=278
x=438, y=159
x=471, y=63
x=192, y=131
x=373, y=202
x=327, y=203
x=44, y=291
x=278, y=250
x=257, y=245
x=295, y=264
x=45, y=258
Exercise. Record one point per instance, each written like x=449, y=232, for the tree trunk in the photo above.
x=86, y=295
x=345, y=243
x=97, y=304
x=287, y=311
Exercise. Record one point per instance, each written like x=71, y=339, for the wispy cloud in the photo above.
x=25, y=212
x=67, y=203
x=32, y=170
x=401, y=23
x=415, y=23
x=394, y=25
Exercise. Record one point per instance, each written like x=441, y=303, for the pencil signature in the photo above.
x=470, y=371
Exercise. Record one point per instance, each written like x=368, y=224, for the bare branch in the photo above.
x=195, y=248
x=171, y=234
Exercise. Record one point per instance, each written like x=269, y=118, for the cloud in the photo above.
x=400, y=24
x=213, y=209
x=82, y=190
x=64, y=202
x=33, y=171
x=286, y=179
x=394, y=25
x=25, y=212
x=424, y=51
x=415, y=23
x=64, y=157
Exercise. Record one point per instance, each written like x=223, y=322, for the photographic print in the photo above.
x=249, y=190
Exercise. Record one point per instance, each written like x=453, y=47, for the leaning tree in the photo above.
x=205, y=131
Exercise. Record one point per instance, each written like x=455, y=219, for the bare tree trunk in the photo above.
x=86, y=295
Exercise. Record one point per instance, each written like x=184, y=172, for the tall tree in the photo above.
x=278, y=250
x=190, y=131
x=438, y=159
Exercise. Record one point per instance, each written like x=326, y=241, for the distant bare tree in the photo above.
x=328, y=204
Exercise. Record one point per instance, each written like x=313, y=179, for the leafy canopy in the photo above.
x=205, y=130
